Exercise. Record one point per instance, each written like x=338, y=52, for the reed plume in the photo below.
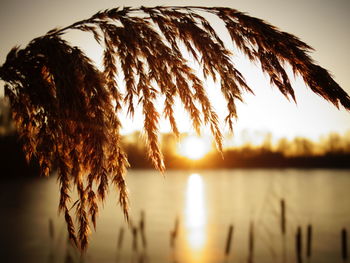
x=66, y=110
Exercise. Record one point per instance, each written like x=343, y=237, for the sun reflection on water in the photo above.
x=195, y=216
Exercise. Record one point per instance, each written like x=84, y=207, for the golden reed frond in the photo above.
x=66, y=110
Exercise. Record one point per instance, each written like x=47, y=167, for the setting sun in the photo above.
x=194, y=147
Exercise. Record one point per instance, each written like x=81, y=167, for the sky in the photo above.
x=323, y=24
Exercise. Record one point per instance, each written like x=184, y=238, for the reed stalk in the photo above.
x=142, y=230
x=134, y=238
x=283, y=217
x=344, y=244
x=120, y=238
x=51, y=230
x=283, y=227
x=51, y=257
x=174, y=233
x=251, y=243
x=299, y=245
x=229, y=240
x=309, y=241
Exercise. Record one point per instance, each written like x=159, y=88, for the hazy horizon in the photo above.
x=322, y=24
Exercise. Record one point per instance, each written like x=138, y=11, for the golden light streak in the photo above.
x=195, y=213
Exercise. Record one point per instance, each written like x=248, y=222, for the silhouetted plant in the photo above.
x=66, y=109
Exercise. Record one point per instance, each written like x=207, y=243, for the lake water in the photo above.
x=205, y=203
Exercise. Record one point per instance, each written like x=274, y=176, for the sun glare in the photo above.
x=195, y=213
x=194, y=147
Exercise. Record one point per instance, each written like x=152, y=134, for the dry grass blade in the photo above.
x=66, y=110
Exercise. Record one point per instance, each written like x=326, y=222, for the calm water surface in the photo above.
x=205, y=203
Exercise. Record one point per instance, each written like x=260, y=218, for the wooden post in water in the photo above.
x=229, y=240
x=283, y=224
x=120, y=238
x=309, y=241
x=142, y=230
x=51, y=230
x=283, y=217
x=174, y=233
x=344, y=245
x=298, y=245
x=52, y=240
x=134, y=238
x=251, y=243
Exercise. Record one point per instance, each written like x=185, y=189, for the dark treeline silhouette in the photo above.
x=332, y=152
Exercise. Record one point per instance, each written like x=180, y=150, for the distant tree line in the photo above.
x=333, y=151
